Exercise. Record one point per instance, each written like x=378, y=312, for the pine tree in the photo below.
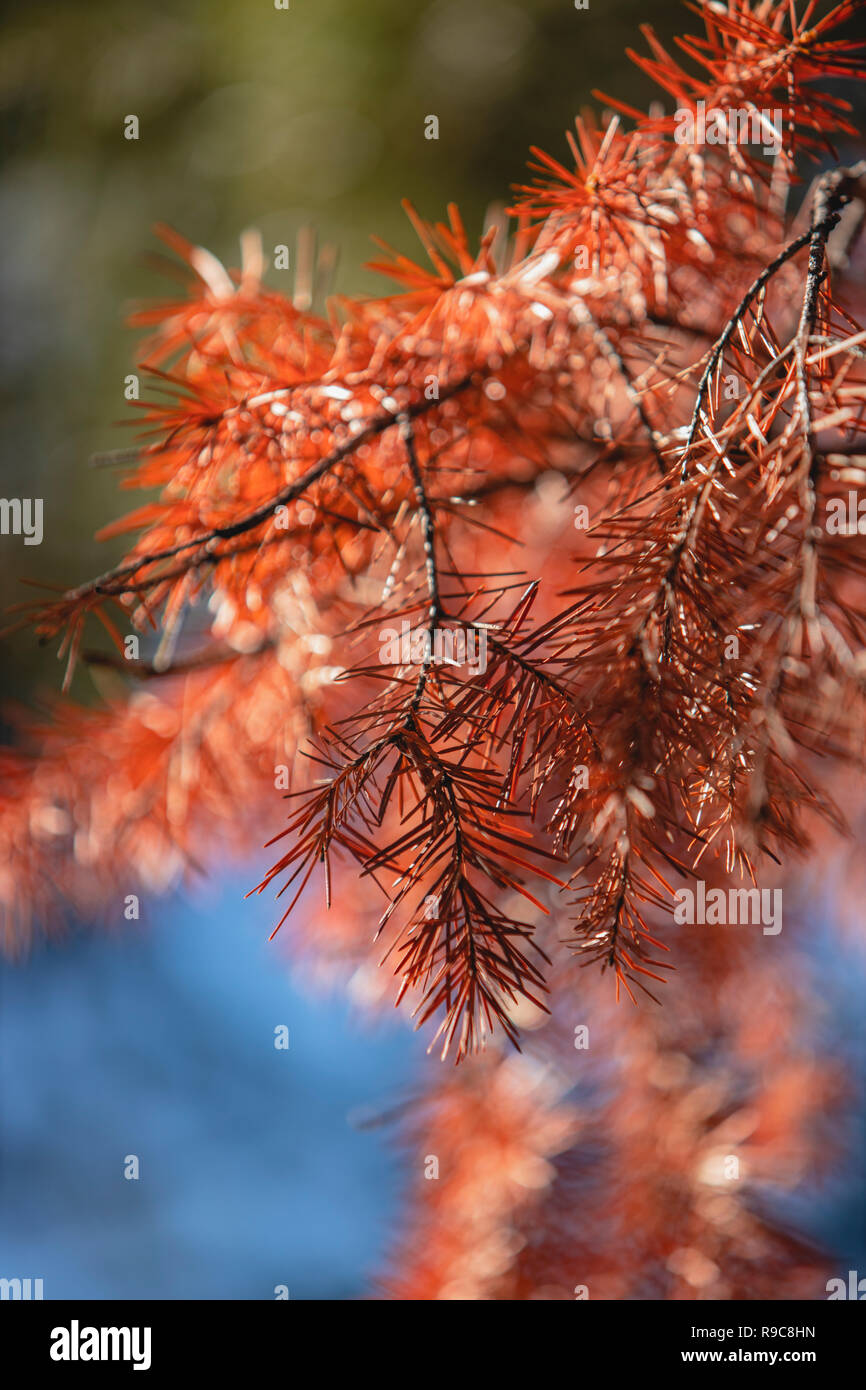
x=528, y=585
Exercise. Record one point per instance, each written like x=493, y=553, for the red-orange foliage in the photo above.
x=421, y=457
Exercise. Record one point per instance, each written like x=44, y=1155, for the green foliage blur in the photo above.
x=249, y=116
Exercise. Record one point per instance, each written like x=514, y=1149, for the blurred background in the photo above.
x=157, y=1040
x=248, y=116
